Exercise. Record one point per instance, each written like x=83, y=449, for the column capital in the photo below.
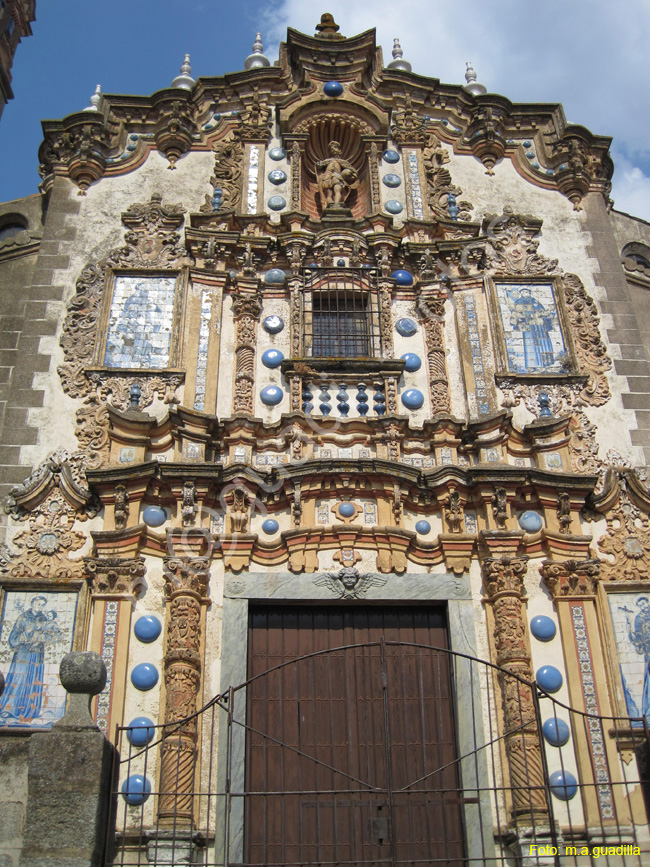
x=569, y=579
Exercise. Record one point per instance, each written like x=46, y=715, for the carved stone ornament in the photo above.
x=347, y=583
x=246, y=311
x=116, y=576
x=58, y=470
x=227, y=176
x=504, y=575
x=78, y=151
x=439, y=183
x=432, y=308
x=512, y=246
x=627, y=540
x=189, y=508
x=571, y=577
x=256, y=119
x=121, y=507
x=187, y=575
x=500, y=508
x=408, y=128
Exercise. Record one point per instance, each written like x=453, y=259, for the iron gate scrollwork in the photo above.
x=388, y=752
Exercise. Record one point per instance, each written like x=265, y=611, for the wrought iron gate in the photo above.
x=345, y=756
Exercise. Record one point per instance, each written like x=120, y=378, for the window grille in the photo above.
x=341, y=313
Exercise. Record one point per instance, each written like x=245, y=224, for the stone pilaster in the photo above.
x=246, y=308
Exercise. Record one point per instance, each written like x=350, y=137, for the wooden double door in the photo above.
x=350, y=751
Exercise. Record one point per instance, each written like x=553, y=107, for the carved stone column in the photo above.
x=187, y=590
x=386, y=318
x=246, y=309
x=504, y=586
x=433, y=311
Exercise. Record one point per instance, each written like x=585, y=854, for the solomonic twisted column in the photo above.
x=186, y=585
x=504, y=584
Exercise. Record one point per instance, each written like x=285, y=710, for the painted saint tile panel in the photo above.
x=631, y=621
x=140, y=325
x=36, y=631
x=531, y=328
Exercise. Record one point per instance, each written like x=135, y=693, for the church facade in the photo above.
x=332, y=381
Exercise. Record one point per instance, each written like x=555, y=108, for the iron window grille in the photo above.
x=341, y=313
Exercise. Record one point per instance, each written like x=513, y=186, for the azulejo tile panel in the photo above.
x=631, y=621
x=531, y=328
x=140, y=324
x=36, y=631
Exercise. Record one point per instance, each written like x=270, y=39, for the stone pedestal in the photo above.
x=175, y=847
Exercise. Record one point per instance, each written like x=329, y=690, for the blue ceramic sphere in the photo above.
x=406, y=327
x=332, y=88
x=340, y=263
x=276, y=203
x=549, y=678
x=531, y=522
x=136, y=789
x=275, y=275
x=392, y=181
x=556, y=731
x=412, y=398
x=270, y=526
x=412, y=362
x=154, y=516
x=272, y=358
x=391, y=156
x=271, y=395
x=277, y=176
x=141, y=731
x=423, y=527
x=144, y=676
x=394, y=207
x=147, y=628
x=543, y=628
x=277, y=154
x=273, y=324
x=402, y=278
x=563, y=785
x=347, y=510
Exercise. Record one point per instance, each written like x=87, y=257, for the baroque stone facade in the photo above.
x=333, y=360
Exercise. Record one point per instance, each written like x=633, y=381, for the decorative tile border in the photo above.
x=253, y=173
x=477, y=357
x=415, y=186
x=108, y=655
x=594, y=726
x=202, y=355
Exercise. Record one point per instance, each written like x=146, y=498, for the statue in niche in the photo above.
x=336, y=178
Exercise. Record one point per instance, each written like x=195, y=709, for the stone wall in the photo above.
x=13, y=798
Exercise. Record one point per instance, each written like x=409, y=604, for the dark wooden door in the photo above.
x=351, y=754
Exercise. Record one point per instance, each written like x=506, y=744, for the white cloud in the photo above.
x=631, y=192
x=591, y=56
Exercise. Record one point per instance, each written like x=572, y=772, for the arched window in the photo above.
x=12, y=226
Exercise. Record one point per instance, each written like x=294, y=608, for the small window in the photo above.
x=10, y=230
x=341, y=318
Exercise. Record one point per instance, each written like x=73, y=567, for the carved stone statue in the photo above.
x=336, y=178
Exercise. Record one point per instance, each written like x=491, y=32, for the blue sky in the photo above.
x=584, y=53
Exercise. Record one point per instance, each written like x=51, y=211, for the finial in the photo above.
x=544, y=402
x=328, y=28
x=473, y=86
x=397, y=62
x=134, y=396
x=256, y=60
x=95, y=99
x=184, y=81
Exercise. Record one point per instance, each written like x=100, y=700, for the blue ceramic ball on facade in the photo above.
x=391, y=156
x=347, y=510
x=406, y=327
x=273, y=324
x=332, y=88
x=563, y=785
x=543, y=628
x=394, y=207
x=412, y=398
x=423, y=527
x=531, y=522
x=276, y=203
x=144, y=676
x=136, y=789
x=277, y=176
x=277, y=154
x=549, y=678
x=154, y=516
x=141, y=731
x=556, y=731
x=272, y=358
x=340, y=263
x=270, y=526
x=271, y=395
x=275, y=275
x=402, y=278
x=392, y=181
x=412, y=362
x=147, y=628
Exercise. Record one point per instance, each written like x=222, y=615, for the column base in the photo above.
x=173, y=847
